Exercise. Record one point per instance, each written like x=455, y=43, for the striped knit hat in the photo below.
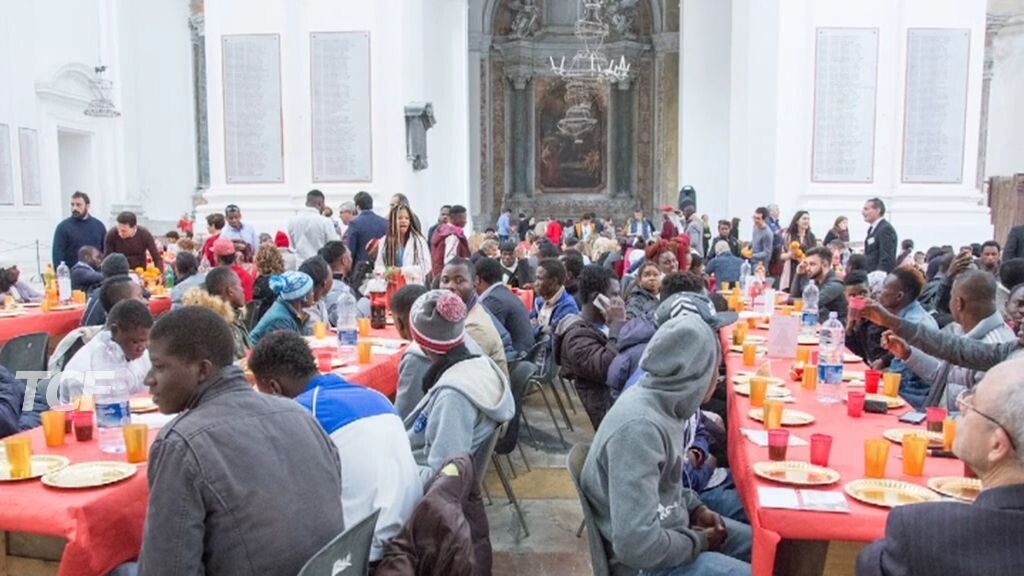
x=437, y=321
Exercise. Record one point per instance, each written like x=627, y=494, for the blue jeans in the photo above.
x=733, y=560
x=725, y=500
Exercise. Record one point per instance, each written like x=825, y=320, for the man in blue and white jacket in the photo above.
x=377, y=466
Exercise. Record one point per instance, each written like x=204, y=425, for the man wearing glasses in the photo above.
x=983, y=538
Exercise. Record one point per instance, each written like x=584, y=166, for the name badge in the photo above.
x=871, y=240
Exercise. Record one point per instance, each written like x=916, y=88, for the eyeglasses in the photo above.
x=963, y=403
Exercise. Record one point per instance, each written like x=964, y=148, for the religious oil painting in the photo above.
x=564, y=163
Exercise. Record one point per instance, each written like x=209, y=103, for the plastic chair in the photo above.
x=538, y=355
x=26, y=352
x=348, y=552
x=520, y=379
x=250, y=314
x=598, y=556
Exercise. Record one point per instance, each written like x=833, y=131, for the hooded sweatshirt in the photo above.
x=632, y=474
x=459, y=413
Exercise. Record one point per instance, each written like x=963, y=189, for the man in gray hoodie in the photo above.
x=467, y=396
x=632, y=474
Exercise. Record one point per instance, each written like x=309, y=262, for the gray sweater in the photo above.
x=958, y=350
x=632, y=476
x=466, y=405
x=761, y=246
x=411, y=370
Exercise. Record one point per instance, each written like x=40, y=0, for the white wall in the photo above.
x=47, y=51
x=772, y=86
x=1005, y=151
x=418, y=53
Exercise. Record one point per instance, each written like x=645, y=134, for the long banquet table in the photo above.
x=89, y=532
x=57, y=323
x=864, y=523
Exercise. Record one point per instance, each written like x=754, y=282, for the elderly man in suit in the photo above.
x=880, y=245
x=983, y=538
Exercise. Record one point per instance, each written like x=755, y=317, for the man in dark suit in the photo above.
x=880, y=245
x=983, y=538
x=366, y=226
x=503, y=305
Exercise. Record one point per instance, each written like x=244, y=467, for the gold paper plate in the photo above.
x=888, y=493
x=966, y=489
x=796, y=473
x=90, y=474
x=789, y=417
x=748, y=314
x=763, y=326
x=851, y=358
x=892, y=402
x=935, y=439
x=807, y=340
x=739, y=349
x=64, y=307
x=41, y=464
x=12, y=313
x=743, y=389
x=142, y=405
x=755, y=339
x=853, y=375
x=743, y=377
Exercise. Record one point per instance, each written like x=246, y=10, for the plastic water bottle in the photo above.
x=345, y=320
x=830, y=363
x=64, y=283
x=744, y=275
x=809, y=319
x=169, y=277
x=112, y=413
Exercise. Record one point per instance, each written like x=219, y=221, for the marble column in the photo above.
x=622, y=138
x=520, y=135
x=666, y=133
x=993, y=25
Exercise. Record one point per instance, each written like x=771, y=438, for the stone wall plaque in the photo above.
x=6, y=168
x=253, y=131
x=28, y=147
x=341, y=112
x=935, y=106
x=845, y=82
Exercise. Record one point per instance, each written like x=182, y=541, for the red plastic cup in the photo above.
x=857, y=302
x=855, y=403
x=821, y=445
x=83, y=425
x=935, y=416
x=871, y=380
x=323, y=362
x=815, y=357
x=778, y=442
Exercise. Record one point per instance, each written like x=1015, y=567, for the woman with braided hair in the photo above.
x=404, y=247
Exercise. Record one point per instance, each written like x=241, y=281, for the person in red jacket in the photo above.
x=225, y=253
x=555, y=232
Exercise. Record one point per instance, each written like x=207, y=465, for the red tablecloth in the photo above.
x=864, y=523
x=103, y=526
x=57, y=324
x=526, y=296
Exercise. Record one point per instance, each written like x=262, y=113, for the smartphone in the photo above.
x=601, y=303
x=913, y=417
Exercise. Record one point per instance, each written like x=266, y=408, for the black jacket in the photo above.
x=880, y=247
x=1014, y=247
x=831, y=296
x=509, y=310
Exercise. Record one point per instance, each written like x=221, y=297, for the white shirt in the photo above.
x=247, y=233
x=96, y=364
x=414, y=270
x=309, y=231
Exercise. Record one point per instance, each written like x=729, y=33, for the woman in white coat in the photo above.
x=404, y=246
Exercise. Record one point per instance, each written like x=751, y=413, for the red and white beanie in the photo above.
x=438, y=320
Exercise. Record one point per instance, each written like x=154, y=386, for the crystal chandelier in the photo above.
x=590, y=62
x=590, y=65
x=101, y=106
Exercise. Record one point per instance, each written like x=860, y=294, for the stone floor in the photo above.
x=550, y=506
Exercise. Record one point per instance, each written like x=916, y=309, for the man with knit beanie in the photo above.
x=631, y=478
x=466, y=397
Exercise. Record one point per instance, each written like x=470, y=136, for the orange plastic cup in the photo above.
x=798, y=305
x=891, y=382
x=915, y=450
x=803, y=354
x=758, y=391
x=787, y=310
x=19, y=455
x=948, y=434
x=136, y=442
x=749, y=353
x=810, y=377
x=320, y=330
x=365, y=350
x=773, y=414
x=54, y=427
x=876, y=456
x=364, y=326
x=739, y=334
x=725, y=286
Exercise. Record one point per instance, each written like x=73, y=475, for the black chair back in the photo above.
x=348, y=553
x=598, y=556
x=26, y=352
x=519, y=379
